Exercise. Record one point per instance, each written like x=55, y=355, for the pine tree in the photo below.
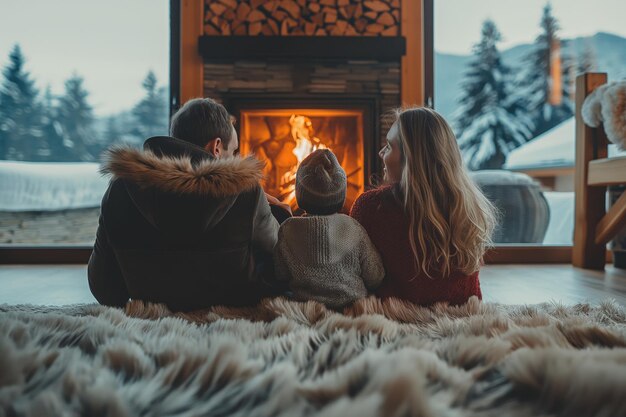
x=587, y=59
x=75, y=117
x=151, y=112
x=492, y=121
x=547, y=109
x=20, y=113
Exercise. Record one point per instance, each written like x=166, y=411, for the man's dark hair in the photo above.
x=201, y=120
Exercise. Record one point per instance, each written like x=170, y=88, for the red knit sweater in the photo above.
x=382, y=216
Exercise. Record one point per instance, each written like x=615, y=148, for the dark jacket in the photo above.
x=182, y=228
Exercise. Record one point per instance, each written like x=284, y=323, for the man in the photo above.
x=184, y=222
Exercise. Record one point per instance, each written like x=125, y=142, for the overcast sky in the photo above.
x=458, y=22
x=113, y=43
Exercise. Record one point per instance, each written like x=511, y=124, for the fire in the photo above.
x=302, y=133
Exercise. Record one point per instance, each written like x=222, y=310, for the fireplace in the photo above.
x=282, y=138
x=321, y=81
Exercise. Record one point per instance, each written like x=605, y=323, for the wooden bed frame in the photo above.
x=594, y=226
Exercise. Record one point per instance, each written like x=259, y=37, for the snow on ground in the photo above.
x=561, y=226
x=49, y=186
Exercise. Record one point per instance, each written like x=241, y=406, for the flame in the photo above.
x=301, y=132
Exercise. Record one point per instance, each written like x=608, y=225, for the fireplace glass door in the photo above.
x=284, y=137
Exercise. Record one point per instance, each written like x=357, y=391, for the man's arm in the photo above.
x=265, y=226
x=105, y=278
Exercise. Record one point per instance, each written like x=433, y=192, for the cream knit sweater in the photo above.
x=329, y=259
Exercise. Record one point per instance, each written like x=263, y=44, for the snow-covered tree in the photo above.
x=20, y=113
x=491, y=120
x=542, y=76
x=151, y=113
x=587, y=61
x=75, y=117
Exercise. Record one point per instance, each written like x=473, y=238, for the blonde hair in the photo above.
x=450, y=220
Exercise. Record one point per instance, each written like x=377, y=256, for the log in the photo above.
x=302, y=3
x=342, y=3
x=396, y=15
x=350, y=31
x=225, y=29
x=210, y=30
x=309, y=28
x=350, y=10
x=332, y=3
x=255, y=16
x=208, y=15
x=320, y=32
x=274, y=26
x=255, y=28
x=291, y=23
x=229, y=3
x=291, y=7
x=340, y=28
x=270, y=6
x=267, y=31
x=371, y=15
x=255, y=4
x=386, y=19
x=241, y=30
x=376, y=5
x=284, y=29
x=314, y=7
x=395, y=4
x=330, y=17
x=342, y=24
x=242, y=11
x=217, y=8
x=375, y=28
x=358, y=12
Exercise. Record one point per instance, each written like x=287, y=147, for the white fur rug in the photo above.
x=284, y=358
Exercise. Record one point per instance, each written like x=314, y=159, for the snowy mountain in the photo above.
x=609, y=49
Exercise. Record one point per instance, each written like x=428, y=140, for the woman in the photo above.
x=430, y=223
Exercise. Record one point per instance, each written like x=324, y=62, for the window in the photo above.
x=77, y=77
x=504, y=78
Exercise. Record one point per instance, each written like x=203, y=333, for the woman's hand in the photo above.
x=276, y=202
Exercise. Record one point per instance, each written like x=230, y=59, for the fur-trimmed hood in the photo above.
x=179, y=186
x=186, y=170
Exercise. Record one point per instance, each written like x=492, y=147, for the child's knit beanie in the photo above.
x=321, y=183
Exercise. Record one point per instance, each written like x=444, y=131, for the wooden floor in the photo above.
x=507, y=284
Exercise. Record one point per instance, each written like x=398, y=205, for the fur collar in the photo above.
x=215, y=177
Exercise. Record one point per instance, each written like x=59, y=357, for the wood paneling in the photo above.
x=191, y=76
x=412, y=24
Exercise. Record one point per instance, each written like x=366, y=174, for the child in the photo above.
x=325, y=256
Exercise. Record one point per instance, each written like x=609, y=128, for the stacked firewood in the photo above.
x=302, y=17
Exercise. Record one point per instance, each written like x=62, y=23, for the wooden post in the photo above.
x=191, y=66
x=412, y=24
x=590, y=201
